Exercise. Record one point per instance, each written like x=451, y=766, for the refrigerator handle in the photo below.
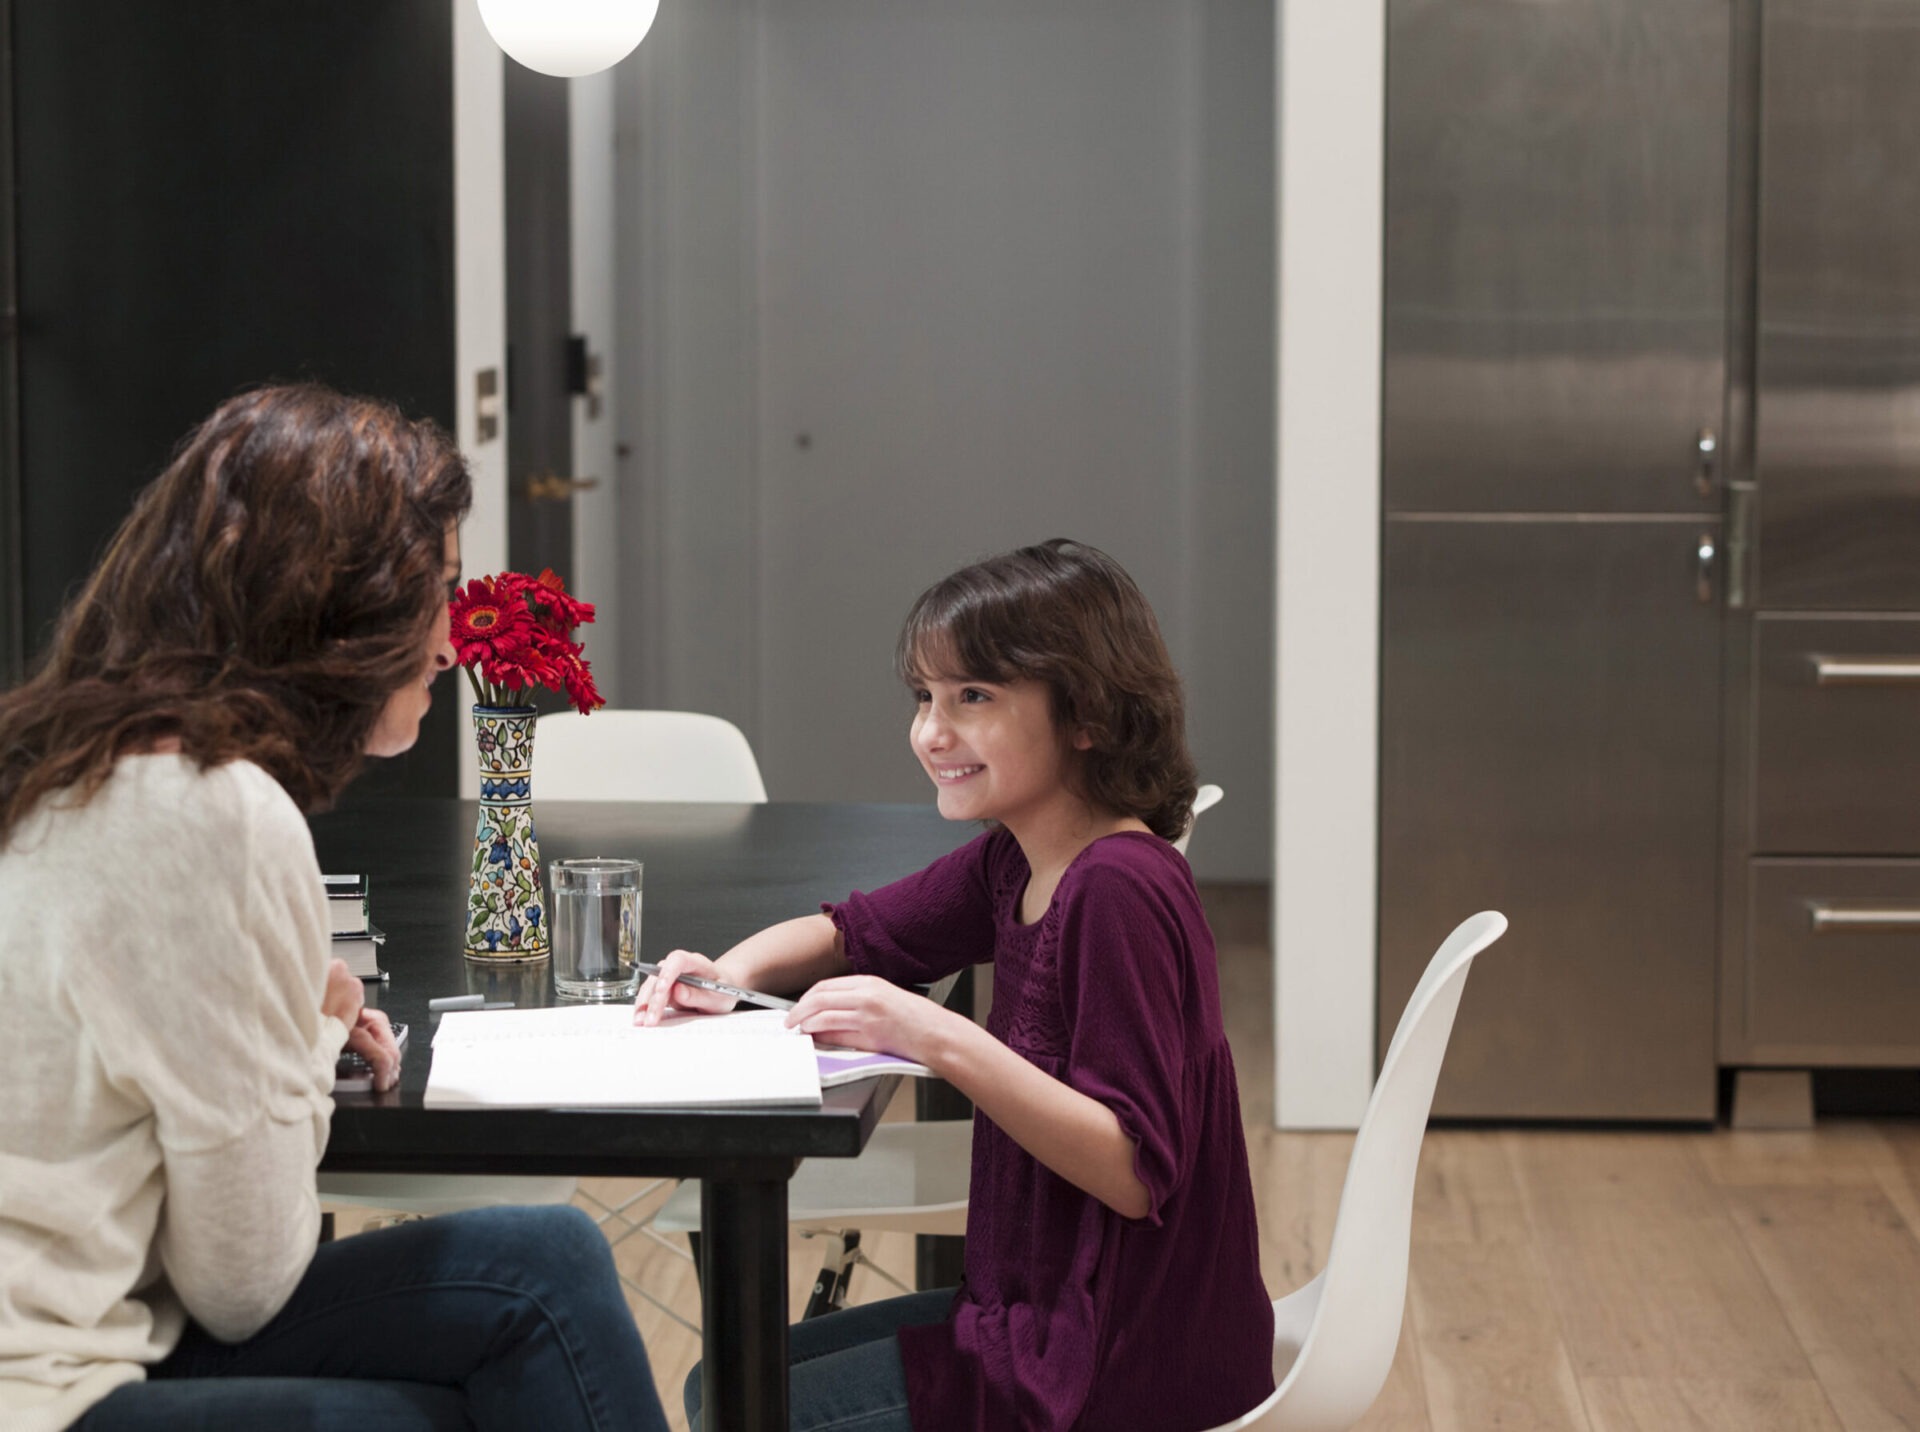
x=1706, y=448
x=1704, y=554
x=1739, y=529
x=1864, y=671
x=1827, y=919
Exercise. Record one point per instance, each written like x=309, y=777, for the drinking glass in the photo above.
x=596, y=927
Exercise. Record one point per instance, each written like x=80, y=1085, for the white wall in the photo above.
x=597, y=564
x=1331, y=67
x=912, y=282
x=480, y=305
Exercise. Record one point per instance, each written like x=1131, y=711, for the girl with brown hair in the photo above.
x=272, y=612
x=1112, y=1262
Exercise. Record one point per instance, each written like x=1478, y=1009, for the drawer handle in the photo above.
x=1828, y=920
x=1865, y=671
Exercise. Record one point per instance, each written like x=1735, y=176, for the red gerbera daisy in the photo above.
x=565, y=611
x=579, y=683
x=483, y=624
x=512, y=634
x=523, y=669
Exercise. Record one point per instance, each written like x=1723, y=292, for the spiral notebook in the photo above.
x=843, y=1066
x=594, y=1057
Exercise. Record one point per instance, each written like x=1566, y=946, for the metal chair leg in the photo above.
x=830, y=1284
x=844, y=1254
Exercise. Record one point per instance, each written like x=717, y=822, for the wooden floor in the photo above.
x=1600, y=1281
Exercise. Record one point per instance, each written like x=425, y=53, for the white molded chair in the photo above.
x=644, y=756
x=1334, y=1337
x=610, y=755
x=1204, y=799
x=631, y=755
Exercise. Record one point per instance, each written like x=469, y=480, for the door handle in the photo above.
x=551, y=487
x=1704, y=554
x=1829, y=920
x=1865, y=671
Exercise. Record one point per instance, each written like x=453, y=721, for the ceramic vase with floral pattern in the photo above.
x=506, y=908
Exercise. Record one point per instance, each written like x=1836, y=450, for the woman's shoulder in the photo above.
x=229, y=803
x=228, y=784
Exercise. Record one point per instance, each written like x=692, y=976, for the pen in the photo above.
x=466, y=1001
x=751, y=996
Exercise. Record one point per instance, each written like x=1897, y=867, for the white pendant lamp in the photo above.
x=568, y=37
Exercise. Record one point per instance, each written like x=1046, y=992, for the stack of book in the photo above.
x=356, y=939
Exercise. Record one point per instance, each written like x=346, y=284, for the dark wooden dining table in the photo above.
x=713, y=875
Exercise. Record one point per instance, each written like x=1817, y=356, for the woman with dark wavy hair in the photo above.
x=1112, y=1262
x=272, y=612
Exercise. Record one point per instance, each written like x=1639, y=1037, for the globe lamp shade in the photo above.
x=568, y=37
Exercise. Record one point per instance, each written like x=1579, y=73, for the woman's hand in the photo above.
x=344, y=995
x=369, y=1031
x=651, y=1000
x=865, y=1012
x=371, y=1037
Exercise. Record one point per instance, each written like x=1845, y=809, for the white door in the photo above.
x=974, y=329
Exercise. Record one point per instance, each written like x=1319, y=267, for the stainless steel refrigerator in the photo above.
x=1648, y=425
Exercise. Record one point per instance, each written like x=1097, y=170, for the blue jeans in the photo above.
x=496, y=1318
x=843, y=1370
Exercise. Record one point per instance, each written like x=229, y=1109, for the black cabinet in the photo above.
x=210, y=196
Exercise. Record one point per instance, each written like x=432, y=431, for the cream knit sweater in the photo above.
x=163, y=951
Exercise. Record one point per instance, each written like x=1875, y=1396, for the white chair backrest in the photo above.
x=1204, y=799
x=643, y=756
x=1349, y=1347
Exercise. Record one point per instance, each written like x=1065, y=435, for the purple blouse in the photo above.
x=1070, y=1315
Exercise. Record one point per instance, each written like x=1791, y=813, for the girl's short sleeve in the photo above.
x=928, y=925
x=1124, y=955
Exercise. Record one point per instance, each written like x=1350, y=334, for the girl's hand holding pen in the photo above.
x=658, y=991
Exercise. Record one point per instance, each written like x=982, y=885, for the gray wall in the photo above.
x=909, y=281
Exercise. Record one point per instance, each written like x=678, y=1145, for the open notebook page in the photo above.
x=594, y=1057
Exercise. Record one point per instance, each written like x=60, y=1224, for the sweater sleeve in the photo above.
x=238, y=1230
x=928, y=925
x=226, y=1043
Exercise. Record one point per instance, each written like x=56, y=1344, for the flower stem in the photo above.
x=473, y=680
